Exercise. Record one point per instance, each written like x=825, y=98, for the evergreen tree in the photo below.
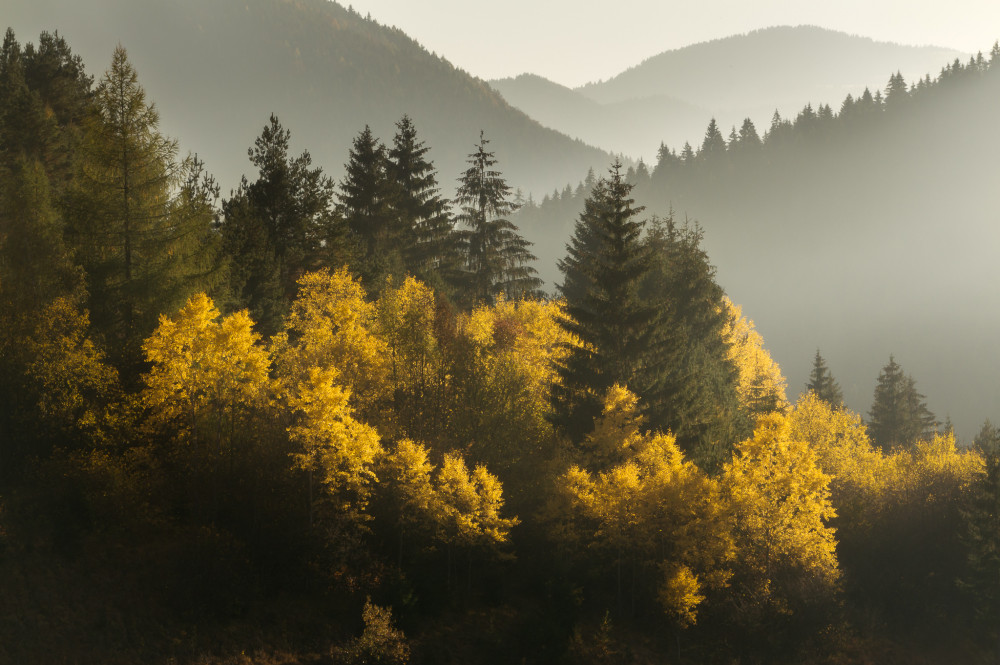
x=823, y=384
x=693, y=384
x=25, y=130
x=498, y=258
x=279, y=227
x=899, y=416
x=604, y=266
x=713, y=145
x=367, y=202
x=982, y=537
x=127, y=226
x=431, y=246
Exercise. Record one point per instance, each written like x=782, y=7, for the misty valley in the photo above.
x=315, y=348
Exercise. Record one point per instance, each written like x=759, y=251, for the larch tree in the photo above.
x=125, y=221
x=498, y=257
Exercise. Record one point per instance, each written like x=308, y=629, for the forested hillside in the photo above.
x=865, y=229
x=333, y=420
x=219, y=69
x=669, y=97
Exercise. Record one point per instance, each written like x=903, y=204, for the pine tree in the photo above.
x=899, y=417
x=604, y=266
x=430, y=245
x=498, y=257
x=823, y=384
x=279, y=227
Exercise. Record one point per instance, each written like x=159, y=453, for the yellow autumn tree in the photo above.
x=333, y=447
x=501, y=368
x=781, y=505
x=209, y=375
x=760, y=386
x=74, y=390
x=405, y=318
x=331, y=325
x=649, y=512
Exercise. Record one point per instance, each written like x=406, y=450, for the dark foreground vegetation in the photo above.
x=320, y=422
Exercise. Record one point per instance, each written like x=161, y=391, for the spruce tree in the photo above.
x=497, y=257
x=431, y=250
x=714, y=144
x=692, y=384
x=982, y=535
x=604, y=266
x=367, y=203
x=823, y=384
x=899, y=416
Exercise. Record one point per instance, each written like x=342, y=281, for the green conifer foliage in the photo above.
x=367, y=203
x=430, y=245
x=604, y=265
x=823, y=384
x=130, y=231
x=899, y=416
x=498, y=257
x=279, y=227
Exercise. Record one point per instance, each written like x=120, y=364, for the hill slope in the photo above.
x=218, y=69
x=751, y=75
x=867, y=234
x=633, y=126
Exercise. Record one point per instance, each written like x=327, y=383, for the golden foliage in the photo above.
x=333, y=445
x=209, y=372
x=73, y=383
x=781, y=503
x=331, y=325
x=653, y=504
x=761, y=386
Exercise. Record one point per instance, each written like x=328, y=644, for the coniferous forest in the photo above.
x=321, y=420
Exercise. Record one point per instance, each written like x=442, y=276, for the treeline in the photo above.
x=725, y=163
x=261, y=424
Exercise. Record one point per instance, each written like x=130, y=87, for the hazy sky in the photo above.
x=575, y=41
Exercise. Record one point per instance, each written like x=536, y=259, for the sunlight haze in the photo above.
x=573, y=42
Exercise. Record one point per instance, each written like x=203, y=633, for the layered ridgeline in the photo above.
x=218, y=69
x=628, y=126
x=669, y=97
x=865, y=228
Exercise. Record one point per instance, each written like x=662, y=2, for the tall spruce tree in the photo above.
x=604, y=266
x=899, y=416
x=367, y=202
x=693, y=383
x=822, y=383
x=430, y=248
x=497, y=257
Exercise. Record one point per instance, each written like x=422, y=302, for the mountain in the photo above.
x=218, y=69
x=868, y=232
x=630, y=126
x=750, y=75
